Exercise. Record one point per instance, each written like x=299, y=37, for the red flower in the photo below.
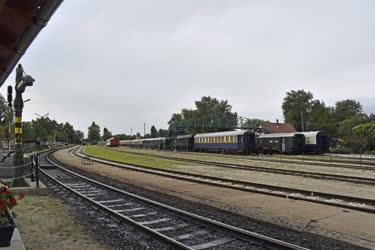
x=21, y=195
x=13, y=200
x=4, y=189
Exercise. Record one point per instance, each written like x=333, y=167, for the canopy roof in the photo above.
x=20, y=22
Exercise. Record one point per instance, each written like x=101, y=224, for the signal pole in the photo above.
x=9, y=114
x=22, y=81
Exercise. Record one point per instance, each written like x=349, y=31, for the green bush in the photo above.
x=341, y=150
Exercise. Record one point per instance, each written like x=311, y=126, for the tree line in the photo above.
x=349, y=127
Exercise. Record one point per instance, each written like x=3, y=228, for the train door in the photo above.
x=283, y=146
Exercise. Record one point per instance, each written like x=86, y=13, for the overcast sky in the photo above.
x=127, y=62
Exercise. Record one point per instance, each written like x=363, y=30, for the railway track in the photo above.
x=176, y=227
x=323, y=163
x=345, y=201
x=315, y=175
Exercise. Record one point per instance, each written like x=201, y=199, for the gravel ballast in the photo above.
x=306, y=239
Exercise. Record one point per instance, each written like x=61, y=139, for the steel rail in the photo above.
x=234, y=231
x=345, y=201
x=365, y=164
x=315, y=175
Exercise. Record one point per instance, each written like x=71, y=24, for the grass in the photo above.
x=45, y=223
x=115, y=155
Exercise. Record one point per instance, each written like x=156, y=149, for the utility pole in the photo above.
x=144, y=130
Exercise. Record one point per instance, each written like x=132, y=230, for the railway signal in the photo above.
x=22, y=81
x=10, y=96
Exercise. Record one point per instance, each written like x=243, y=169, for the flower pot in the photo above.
x=6, y=232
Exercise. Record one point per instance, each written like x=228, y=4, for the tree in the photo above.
x=253, y=123
x=94, y=133
x=210, y=114
x=345, y=132
x=296, y=106
x=78, y=137
x=321, y=117
x=366, y=134
x=106, y=134
x=371, y=118
x=6, y=114
x=153, y=132
x=163, y=133
x=68, y=131
x=125, y=137
x=346, y=109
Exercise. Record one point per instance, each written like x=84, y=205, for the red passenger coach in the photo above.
x=113, y=142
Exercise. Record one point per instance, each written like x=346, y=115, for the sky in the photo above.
x=123, y=63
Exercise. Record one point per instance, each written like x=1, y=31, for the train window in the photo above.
x=276, y=141
x=271, y=141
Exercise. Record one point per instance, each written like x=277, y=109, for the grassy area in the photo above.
x=115, y=155
x=45, y=223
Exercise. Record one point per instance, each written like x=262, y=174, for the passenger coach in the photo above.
x=228, y=141
x=185, y=142
x=292, y=143
x=316, y=142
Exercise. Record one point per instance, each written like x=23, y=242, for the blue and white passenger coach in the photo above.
x=228, y=141
x=317, y=142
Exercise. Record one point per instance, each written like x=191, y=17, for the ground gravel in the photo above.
x=106, y=230
x=298, y=237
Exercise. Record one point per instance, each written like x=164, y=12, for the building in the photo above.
x=270, y=127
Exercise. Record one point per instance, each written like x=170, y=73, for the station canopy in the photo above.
x=20, y=22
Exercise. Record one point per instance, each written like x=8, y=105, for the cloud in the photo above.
x=128, y=62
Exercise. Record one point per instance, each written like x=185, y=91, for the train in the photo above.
x=239, y=141
x=112, y=142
